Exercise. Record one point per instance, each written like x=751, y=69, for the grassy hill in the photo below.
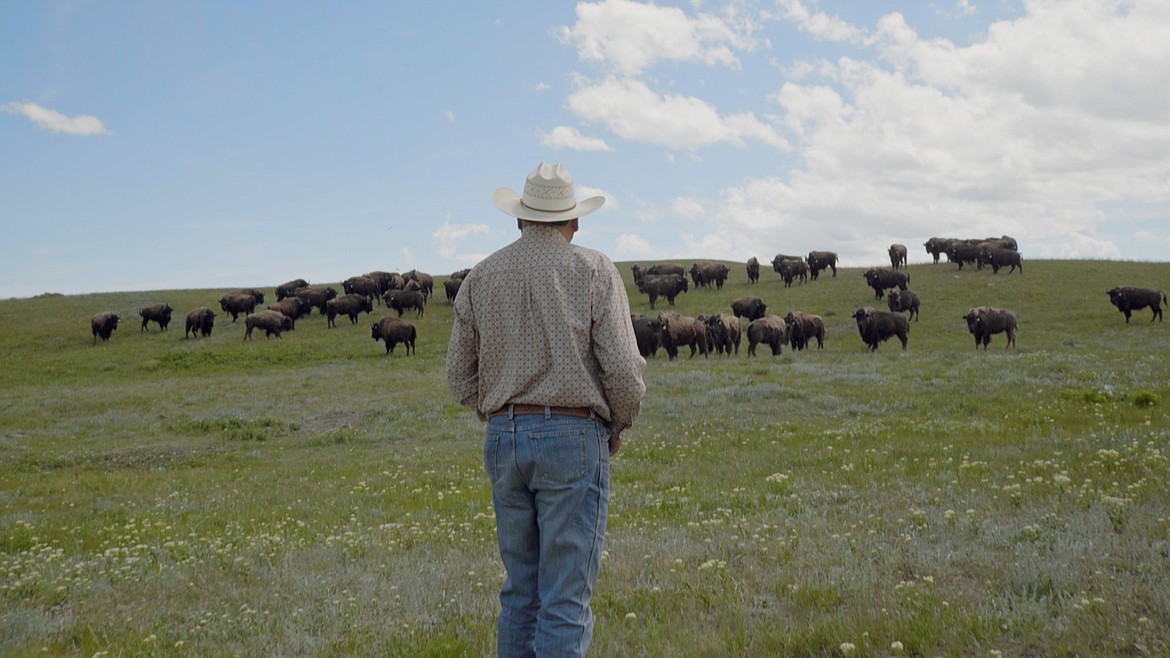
x=312, y=496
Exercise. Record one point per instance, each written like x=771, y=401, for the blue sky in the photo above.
x=157, y=145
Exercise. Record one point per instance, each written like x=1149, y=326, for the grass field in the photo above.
x=312, y=497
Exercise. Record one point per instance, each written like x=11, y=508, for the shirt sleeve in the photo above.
x=462, y=367
x=616, y=348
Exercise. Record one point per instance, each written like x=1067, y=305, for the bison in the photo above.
x=669, y=286
x=821, y=260
x=724, y=333
x=998, y=257
x=426, y=282
x=753, y=270
x=352, y=304
x=199, y=322
x=876, y=326
x=769, y=330
x=712, y=273
x=103, y=324
x=936, y=246
x=236, y=303
x=294, y=307
x=791, y=270
x=984, y=321
x=960, y=252
x=1128, y=299
x=160, y=313
x=666, y=268
x=401, y=300
x=801, y=326
x=778, y=259
x=360, y=285
x=317, y=297
x=272, y=322
x=289, y=289
x=648, y=333
x=392, y=331
x=883, y=278
x=682, y=330
x=898, y=256
x=451, y=287
x=904, y=301
x=752, y=308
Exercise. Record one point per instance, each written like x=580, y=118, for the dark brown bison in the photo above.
x=998, y=257
x=383, y=280
x=936, y=246
x=360, y=285
x=984, y=321
x=103, y=324
x=962, y=252
x=724, y=333
x=753, y=270
x=639, y=274
x=800, y=327
x=401, y=300
x=648, y=333
x=883, y=278
x=904, y=301
x=353, y=305
x=897, y=256
x=876, y=326
x=392, y=331
x=791, y=270
x=780, y=258
x=461, y=274
x=272, y=322
x=317, y=297
x=258, y=295
x=768, y=330
x=451, y=287
x=236, y=303
x=294, y=307
x=682, y=330
x=1128, y=299
x=705, y=274
x=752, y=308
x=669, y=286
x=199, y=322
x=426, y=282
x=819, y=261
x=160, y=313
x=289, y=289
x=661, y=269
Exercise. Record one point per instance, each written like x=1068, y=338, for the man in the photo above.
x=543, y=349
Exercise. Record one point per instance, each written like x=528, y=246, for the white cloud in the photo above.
x=819, y=24
x=629, y=246
x=584, y=192
x=631, y=110
x=449, y=237
x=83, y=125
x=542, y=86
x=630, y=37
x=567, y=137
x=688, y=207
x=449, y=115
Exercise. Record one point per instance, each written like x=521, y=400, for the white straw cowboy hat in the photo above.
x=548, y=197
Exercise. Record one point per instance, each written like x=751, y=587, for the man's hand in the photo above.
x=615, y=444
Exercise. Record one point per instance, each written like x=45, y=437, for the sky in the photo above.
x=152, y=145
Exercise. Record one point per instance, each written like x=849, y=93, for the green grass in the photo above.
x=311, y=496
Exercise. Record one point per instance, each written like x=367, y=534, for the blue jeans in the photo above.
x=550, y=491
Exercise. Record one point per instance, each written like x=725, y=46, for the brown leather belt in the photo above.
x=518, y=409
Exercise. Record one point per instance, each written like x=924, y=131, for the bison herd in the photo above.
x=721, y=333
x=718, y=333
x=296, y=299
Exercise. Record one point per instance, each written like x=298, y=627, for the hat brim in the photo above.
x=509, y=202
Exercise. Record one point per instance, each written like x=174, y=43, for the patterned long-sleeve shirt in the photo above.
x=542, y=321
